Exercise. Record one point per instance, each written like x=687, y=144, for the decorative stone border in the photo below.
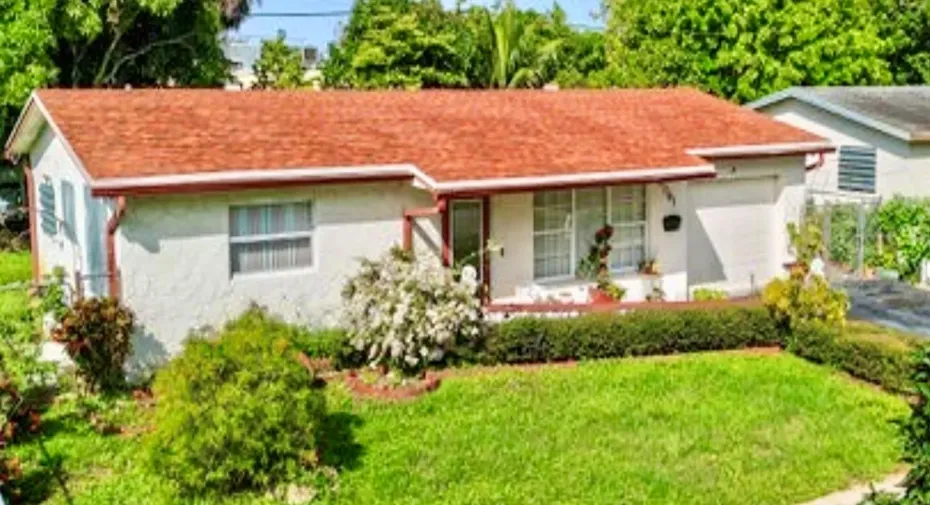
x=362, y=389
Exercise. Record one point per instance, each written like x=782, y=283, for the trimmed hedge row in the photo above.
x=882, y=359
x=639, y=333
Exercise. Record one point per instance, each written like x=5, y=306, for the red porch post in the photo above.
x=485, y=253
x=443, y=205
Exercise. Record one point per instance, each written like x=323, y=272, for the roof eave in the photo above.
x=763, y=150
x=574, y=180
x=823, y=104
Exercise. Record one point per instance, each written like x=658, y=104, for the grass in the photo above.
x=867, y=330
x=15, y=267
x=724, y=428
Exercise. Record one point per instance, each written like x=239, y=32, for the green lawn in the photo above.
x=15, y=267
x=719, y=428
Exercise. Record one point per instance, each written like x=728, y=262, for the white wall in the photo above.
x=512, y=271
x=782, y=202
x=901, y=168
x=83, y=248
x=174, y=256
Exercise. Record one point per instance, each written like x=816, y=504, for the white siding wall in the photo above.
x=512, y=228
x=81, y=249
x=900, y=168
x=174, y=256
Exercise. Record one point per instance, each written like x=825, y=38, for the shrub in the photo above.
x=880, y=358
x=97, y=334
x=916, y=430
x=406, y=314
x=804, y=297
x=709, y=295
x=237, y=412
x=640, y=333
x=904, y=225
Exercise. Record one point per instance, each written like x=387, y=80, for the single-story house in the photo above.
x=881, y=134
x=190, y=204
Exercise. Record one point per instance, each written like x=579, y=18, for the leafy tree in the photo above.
x=26, y=39
x=397, y=44
x=279, y=66
x=745, y=49
x=525, y=47
x=81, y=43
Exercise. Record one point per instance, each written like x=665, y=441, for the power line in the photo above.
x=322, y=14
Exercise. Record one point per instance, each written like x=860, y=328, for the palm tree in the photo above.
x=514, y=65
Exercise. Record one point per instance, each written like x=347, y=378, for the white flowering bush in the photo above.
x=406, y=314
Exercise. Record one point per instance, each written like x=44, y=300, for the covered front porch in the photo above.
x=527, y=247
x=670, y=236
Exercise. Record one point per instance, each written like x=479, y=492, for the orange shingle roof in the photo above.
x=449, y=135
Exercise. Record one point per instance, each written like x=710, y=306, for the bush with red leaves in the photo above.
x=97, y=333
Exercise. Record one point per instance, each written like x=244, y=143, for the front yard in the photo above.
x=715, y=428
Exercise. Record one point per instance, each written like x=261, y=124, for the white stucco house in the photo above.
x=190, y=204
x=881, y=134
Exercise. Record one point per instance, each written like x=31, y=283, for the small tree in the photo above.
x=803, y=295
x=279, y=66
x=406, y=314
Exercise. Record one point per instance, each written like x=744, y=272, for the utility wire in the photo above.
x=321, y=14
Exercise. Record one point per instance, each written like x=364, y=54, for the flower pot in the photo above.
x=797, y=268
x=599, y=297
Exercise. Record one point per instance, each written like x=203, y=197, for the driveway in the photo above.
x=889, y=303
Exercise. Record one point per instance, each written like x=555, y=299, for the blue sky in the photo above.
x=320, y=31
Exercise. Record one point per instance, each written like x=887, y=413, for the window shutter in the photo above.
x=47, y=207
x=857, y=169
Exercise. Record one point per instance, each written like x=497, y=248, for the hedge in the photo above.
x=880, y=358
x=638, y=333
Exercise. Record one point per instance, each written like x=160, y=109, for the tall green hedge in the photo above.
x=639, y=333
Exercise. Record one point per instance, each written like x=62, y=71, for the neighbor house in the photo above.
x=189, y=205
x=881, y=134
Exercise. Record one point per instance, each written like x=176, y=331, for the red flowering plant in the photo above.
x=595, y=265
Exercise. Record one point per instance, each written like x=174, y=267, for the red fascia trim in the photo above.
x=31, y=212
x=588, y=184
x=208, y=187
x=112, y=268
x=537, y=308
x=769, y=155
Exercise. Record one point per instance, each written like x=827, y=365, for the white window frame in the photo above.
x=273, y=237
x=629, y=224
x=573, y=260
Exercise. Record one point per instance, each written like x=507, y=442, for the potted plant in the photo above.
x=650, y=266
x=594, y=267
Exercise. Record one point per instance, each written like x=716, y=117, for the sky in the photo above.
x=320, y=31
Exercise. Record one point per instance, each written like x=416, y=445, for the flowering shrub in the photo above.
x=406, y=314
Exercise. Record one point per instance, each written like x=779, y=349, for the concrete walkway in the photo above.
x=854, y=495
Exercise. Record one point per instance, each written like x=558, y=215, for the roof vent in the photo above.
x=552, y=86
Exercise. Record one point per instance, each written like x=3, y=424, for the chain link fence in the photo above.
x=855, y=246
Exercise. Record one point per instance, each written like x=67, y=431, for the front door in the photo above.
x=467, y=247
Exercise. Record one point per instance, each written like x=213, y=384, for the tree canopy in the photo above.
x=83, y=43
x=745, y=49
x=279, y=66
